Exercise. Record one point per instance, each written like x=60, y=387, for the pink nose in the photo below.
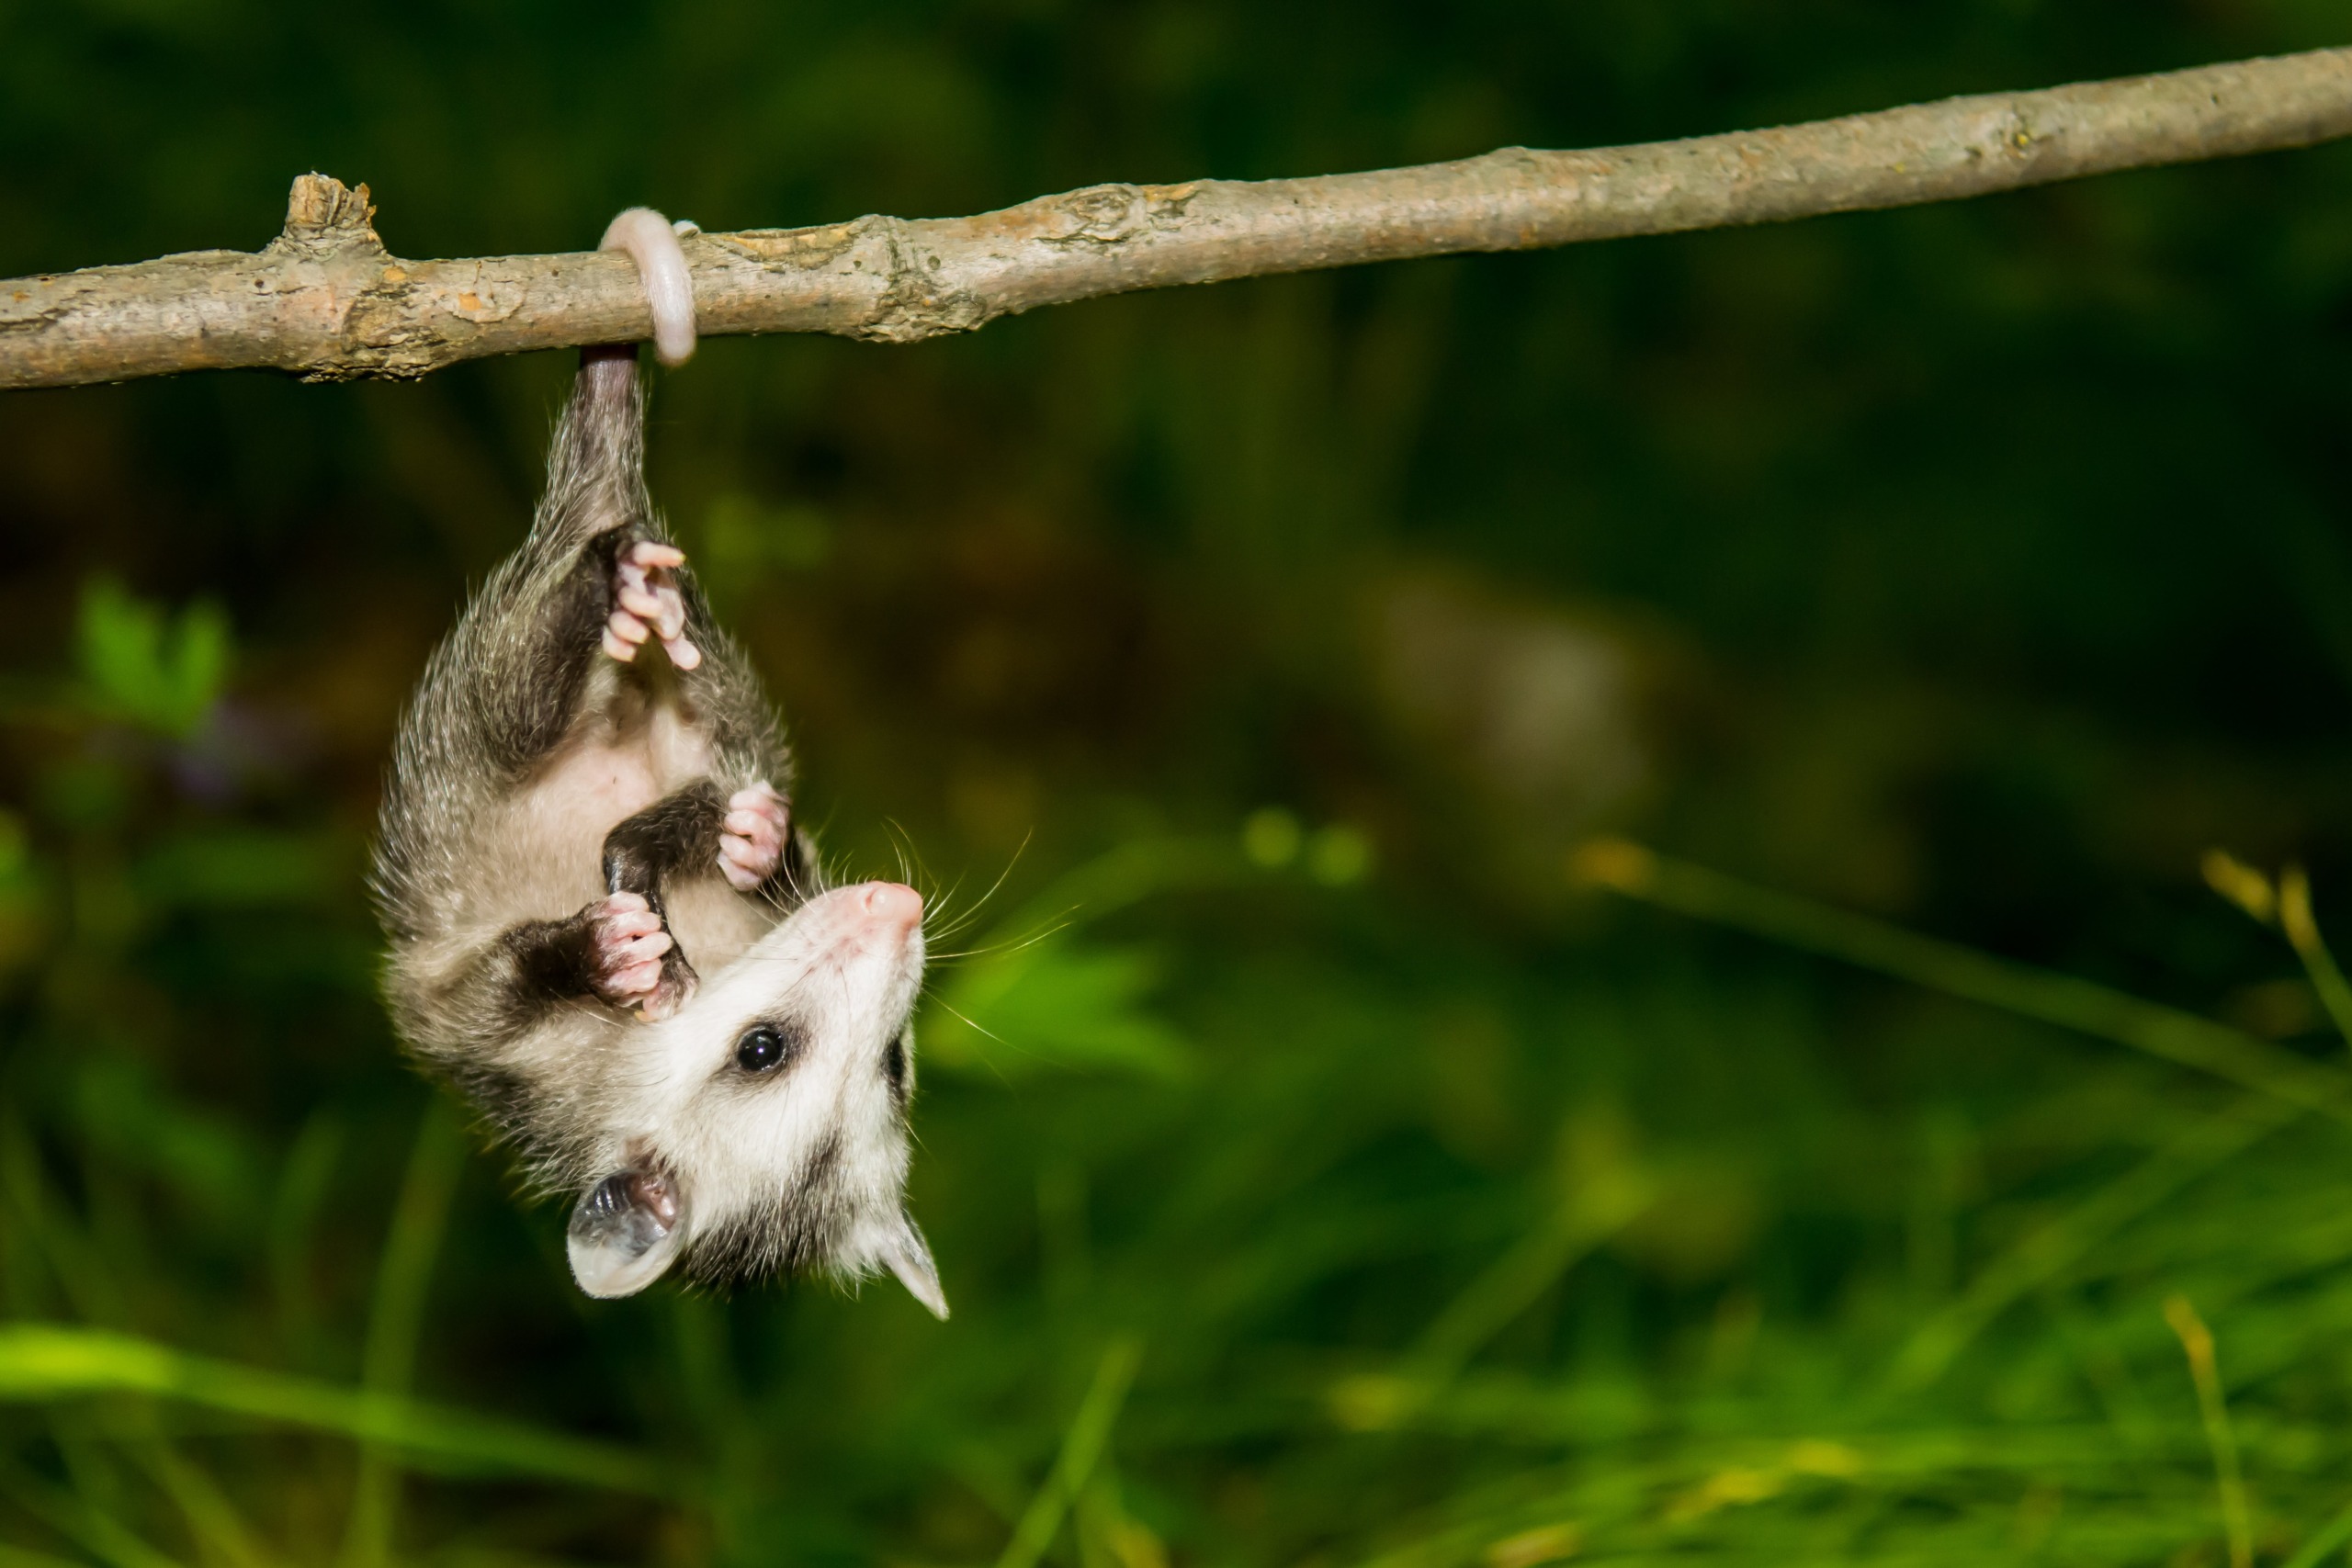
x=893, y=905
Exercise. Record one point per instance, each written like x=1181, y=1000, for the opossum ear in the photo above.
x=624, y=1232
x=908, y=1256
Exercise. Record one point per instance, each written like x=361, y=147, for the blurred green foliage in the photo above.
x=162, y=677
x=1317, y=1174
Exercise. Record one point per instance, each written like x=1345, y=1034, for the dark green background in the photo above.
x=1977, y=567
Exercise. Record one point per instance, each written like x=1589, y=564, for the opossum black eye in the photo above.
x=894, y=1066
x=764, y=1048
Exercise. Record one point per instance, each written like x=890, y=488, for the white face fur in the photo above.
x=765, y=1124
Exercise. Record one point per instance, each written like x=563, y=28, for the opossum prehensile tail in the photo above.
x=607, y=929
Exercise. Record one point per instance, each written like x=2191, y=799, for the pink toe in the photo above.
x=647, y=553
x=637, y=977
x=619, y=649
x=742, y=879
x=682, y=654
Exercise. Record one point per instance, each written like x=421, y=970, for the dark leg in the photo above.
x=612, y=951
x=618, y=950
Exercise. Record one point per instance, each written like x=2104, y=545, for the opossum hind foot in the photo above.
x=757, y=827
x=647, y=604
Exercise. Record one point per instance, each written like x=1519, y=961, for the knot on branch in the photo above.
x=324, y=215
x=918, y=300
x=1108, y=215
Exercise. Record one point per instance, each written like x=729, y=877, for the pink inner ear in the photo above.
x=656, y=1196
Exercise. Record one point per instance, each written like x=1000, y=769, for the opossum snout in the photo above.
x=891, y=905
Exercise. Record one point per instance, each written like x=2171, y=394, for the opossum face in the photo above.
x=767, y=1128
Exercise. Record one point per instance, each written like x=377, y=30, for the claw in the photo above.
x=636, y=980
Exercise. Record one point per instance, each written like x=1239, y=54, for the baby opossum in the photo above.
x=605, y=926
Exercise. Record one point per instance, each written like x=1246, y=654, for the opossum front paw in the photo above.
x=627, y=944
x=757, y=827
x=647, y=604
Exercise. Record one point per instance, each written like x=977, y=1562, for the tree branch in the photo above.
x=326, y=299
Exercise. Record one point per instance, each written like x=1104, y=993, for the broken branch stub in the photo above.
x=327, y=302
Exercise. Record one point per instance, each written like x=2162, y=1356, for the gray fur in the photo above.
x=523, y=747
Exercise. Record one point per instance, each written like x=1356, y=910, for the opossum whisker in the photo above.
x=945, y=919
x=918, y=876
x=913, y=1137
x=992, y=1065
x=947, y=930
x=967, y=1019
x=900, y=838
x=938, y=907
x=1011, y=944
x=790, y=884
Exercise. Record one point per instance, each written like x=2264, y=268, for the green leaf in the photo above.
x=160, y=673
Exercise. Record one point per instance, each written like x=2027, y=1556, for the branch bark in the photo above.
x=327, y=302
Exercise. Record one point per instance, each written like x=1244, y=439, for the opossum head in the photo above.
x=764, y=1127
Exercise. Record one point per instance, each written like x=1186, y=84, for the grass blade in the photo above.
x=212, y=1520
x=2082, y=1006
x=2331, y=1536
x=79, y=1521
x=17, y=1557
x=2047, y=1252
x=1089, y=1430
x=395, y=1323
x=2197, y=1341
x=2302, y=927
x=40, y=1363
x=1513, y=1282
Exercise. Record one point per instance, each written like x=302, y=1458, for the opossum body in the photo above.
x=605, y=927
